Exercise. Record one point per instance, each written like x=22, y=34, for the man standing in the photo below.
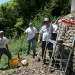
x=4, y=47
x=31, y=31
x=45, y=33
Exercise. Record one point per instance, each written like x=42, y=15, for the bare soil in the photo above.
x=33, y=68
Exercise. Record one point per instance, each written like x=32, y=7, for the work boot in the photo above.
x=34, y=55
x=44, y=61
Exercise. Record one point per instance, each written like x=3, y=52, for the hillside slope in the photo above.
x=36, y=68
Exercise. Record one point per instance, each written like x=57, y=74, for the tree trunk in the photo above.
x=73, y=6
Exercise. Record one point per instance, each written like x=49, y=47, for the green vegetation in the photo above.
x=16, y=14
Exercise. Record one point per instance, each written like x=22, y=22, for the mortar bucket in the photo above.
x=13, y=62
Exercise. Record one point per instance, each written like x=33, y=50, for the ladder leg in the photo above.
x=68, y=61
x=51, y=59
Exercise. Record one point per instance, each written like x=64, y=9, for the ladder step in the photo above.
x=52, y=41
x=62, y=60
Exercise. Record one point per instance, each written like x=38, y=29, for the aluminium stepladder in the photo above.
x=51, y=41
x=61, y=60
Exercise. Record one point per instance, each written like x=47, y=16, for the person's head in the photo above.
x=30, y=24
x=46, y=21
x=1, y=34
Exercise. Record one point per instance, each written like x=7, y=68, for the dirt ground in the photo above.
x=33, y=68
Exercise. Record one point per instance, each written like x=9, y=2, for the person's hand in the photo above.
x=8, y=50
x=25, y=33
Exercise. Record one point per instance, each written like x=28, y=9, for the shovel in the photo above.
x=20, y=48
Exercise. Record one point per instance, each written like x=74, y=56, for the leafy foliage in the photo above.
x=16, y=14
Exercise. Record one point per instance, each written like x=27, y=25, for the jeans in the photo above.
x=33, y=46
x=6, y=52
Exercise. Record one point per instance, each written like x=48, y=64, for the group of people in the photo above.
x=44, y=33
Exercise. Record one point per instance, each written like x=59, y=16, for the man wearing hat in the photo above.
x=4, y=47
x=31, y=31
x=45, y=31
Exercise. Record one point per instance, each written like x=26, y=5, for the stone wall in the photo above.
x=68, y=34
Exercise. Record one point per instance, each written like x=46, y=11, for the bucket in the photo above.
x=13, y=62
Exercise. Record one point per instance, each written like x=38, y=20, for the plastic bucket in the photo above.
x=13, y=63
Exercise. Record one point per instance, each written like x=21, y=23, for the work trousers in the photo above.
x=44, y=47
x=6, y=52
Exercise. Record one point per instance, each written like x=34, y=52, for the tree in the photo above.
x=73, y=6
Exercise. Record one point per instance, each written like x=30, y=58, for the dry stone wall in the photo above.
x=67, y=33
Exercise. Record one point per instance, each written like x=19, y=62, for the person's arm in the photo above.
x=39, y=37
x=41, y=32
x=36, y=34
x=55, y=28
x=25, y=32
x=6, y=44
x=7, y=47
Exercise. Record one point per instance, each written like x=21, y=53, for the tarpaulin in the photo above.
x=68, y=22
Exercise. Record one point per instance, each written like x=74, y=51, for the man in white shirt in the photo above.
x=4, y=46
x=31, y=31
x=45, y=33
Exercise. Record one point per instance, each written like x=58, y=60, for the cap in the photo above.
x=46, y=19
x=30, y=23
x=1, y=31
